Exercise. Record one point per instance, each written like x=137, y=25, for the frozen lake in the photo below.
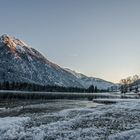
x=69, y=120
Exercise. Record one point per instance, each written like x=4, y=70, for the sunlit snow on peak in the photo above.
x=13, y=43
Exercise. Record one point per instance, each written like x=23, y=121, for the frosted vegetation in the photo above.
x=74, y=120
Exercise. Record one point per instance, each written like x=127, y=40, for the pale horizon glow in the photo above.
x=99, y=38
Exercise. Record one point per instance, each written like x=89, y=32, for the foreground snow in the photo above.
x=12, y=127
x=119, y=121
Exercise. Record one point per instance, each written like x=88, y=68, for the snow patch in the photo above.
x=20, y=49
x=126, y=135
x=12, y=127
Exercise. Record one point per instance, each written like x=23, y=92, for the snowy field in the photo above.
x=69, y=120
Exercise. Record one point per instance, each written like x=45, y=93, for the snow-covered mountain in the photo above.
x=21, y=63
x=86, y=81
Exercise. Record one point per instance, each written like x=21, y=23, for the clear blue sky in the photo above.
x=99, y=38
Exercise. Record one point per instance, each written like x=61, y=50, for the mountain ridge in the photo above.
x=87, y=81
x=21, y=63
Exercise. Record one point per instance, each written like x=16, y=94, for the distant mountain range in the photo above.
x=21, y=63
x=86, y=81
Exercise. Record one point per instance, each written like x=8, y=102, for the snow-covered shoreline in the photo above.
x=120, y=121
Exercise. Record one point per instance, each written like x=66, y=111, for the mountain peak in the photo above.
x=11, y=42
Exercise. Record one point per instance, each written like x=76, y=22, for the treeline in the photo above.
x=48, y=88
x=130, y=83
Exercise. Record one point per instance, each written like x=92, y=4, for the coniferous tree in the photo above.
x=96, y=90
x=91, y=89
